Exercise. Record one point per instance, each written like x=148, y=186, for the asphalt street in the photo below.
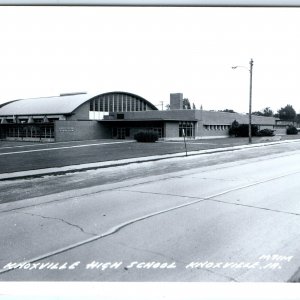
x=15, y=156
x=235, y=218
x=19, y=189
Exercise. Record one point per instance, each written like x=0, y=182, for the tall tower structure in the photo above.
x=176, y=101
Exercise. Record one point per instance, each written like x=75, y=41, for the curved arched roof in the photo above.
x=57, y=105
x=130, y=94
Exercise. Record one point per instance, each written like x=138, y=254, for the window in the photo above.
x=134, y=104
x=92, y=105
x=186, y=129
x=124, y=103
x=127, y=132
x=128, y=103
x=105, y=103
x=115, y=100
x=110, y=103
x=101, y=104
x=120, y=104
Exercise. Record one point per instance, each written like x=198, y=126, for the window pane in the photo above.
x=92, y=105
x=101, y=104
x=115, y=101
x=110, y=103
x=106, y=103
x=96, y=105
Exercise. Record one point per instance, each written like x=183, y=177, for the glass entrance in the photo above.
x=121, y=132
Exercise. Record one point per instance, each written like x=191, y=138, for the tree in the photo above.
x=242, y=130
x=194, y=106
x=267, y=112
x=227, y=110
x=233, y=129
x=298, y=118
x=287, y=113
x=186, y=103
x=257, y=113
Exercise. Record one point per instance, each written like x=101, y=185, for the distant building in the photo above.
x=119, y=115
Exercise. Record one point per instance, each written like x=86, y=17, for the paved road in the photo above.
x=27, y=188
x=16, y=157
x=234, y=221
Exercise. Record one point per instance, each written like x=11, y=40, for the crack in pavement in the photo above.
x=83, y=195
x=164, y=194
x=119, y=227
x=214, y=199
x=109, y=232
x=220, y=167
x=127, y=223
x=61, y=220
x=252, y=206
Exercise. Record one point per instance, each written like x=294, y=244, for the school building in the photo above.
x=112, y=115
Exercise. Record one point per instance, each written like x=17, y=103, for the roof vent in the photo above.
x=72, y=94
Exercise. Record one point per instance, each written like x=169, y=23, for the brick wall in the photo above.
x=176, y=101
x=80, y=130
x=215, y=121
x=171, y=129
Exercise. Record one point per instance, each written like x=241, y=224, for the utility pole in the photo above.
x=183, y=133
x=160, y=103
x=250, y=101
x=250, y=97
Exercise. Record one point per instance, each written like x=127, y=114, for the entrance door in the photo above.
x=121, y=133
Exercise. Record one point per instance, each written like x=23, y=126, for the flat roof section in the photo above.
x=149, y=120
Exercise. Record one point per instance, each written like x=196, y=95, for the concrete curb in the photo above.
x=123, y=162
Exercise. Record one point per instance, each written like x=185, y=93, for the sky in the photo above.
x=152, y=52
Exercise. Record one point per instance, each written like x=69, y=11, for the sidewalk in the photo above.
x=211, y=146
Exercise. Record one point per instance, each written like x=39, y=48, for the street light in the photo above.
x=250, y=95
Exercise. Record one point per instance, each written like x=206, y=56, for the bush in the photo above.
x=233, y=129
x=146, y=137
x=291, y=130
x=242, y=130
x=265, y=132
